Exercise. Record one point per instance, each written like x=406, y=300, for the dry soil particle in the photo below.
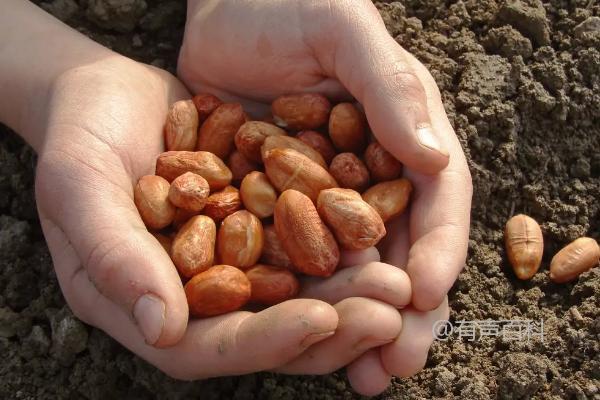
x=119, y=15
x=529, y=17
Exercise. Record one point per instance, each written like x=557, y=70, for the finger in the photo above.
x=367, y=375
x=396, y=243
x=350, y=258
x=226, y=345
x=407, y=355
x=439, y=216
x=374, y=280
x=374, y=68
x=352, y=338
x=123, y=260
x=439, y=251
x=241, y=342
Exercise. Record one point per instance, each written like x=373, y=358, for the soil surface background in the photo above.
x=521, y=84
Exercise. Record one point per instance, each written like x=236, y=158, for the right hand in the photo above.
x=341, y=48
x=100, y=131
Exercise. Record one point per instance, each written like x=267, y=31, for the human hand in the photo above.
x=253, y=51
x=103, y=130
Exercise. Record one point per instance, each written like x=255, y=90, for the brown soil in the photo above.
x=521, y=83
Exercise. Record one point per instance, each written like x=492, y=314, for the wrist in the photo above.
x=29, y=66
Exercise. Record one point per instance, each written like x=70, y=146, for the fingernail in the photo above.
x=369, y=343
x=149, y=314
x=315, y=338
x=428, y=139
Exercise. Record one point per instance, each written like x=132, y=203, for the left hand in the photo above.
x=102, y=132
x=254, y=51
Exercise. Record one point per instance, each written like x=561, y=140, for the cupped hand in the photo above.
x=254, y=51
x=103, y=130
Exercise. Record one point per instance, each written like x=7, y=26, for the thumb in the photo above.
x=374, y=68
x=96, y=216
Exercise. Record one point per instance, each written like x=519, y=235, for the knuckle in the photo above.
x=406, y=84
x=102, y=263
x=321, y=315
x=401, y=85
x=76, y=300
x=428, y=298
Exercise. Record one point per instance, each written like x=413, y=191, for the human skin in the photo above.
x=95, y=119
x=342, y=49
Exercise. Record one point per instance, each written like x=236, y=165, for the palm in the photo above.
x=102, y=135
x=246, y=72
x=263, y=63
